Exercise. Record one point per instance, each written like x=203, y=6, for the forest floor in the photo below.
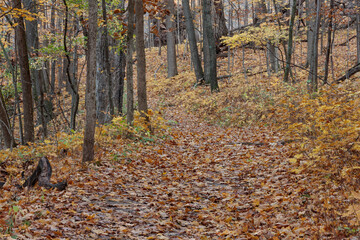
x=200, y=182
x=200, y=176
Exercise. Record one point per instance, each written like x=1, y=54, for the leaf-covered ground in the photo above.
x=192, y=180
x=201, y=182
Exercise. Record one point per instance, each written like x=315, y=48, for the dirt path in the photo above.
x=198, y=184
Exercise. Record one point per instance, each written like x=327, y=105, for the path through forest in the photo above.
x=199, y=183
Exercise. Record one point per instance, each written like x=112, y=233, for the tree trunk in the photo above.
x=329, y=42
x=290, y=42
x=72, y=84
x=220, y=28
x=311, y=25
x=209, y=47
x=105, y=107
x=312, y=78
x=129, y=65
x=358, y=30
x=22, y=51
x=195, y=58
x=141, y=65
x=170, y=39
x=90, y=103
x=37, y=76
x=5, y=124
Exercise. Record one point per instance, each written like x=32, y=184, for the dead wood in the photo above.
x=349, y=73
x=42, y=175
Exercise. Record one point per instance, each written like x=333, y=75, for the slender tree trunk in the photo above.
x=290, y=41
x=358, y=30
x=72, y=84
x=195, y=58
x=90, y=103
x=209, y=47
x=329, y=41
x=311, y=25
x=170, y=37
x=129, y=65
x=312, y=78
x=22, y=51
x=141, y=64
x=37, y=76
x=5, y=124
x=103, y=76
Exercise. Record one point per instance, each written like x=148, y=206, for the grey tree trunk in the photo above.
x=170, y=39
x=358, y=31
x=209, y=47
x=37, y=75
x=129, y=65
x=141, y=64
x=220, y=28
x=90, y=103
x=195, y=58
x=5, y=124
x=22, y=51
x=54, y=62
x=311, y=24
x=104, y=104
x=290, y=41
x=313, y=60
x=71, y=83
x=329, y=42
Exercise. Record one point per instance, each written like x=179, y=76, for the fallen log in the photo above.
x=349, y=73
x=42, y=175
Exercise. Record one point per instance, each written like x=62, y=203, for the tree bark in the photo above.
x=209, y=47
x=129, y=65
x=313, y=78
x=105, y=106
x=290, y=42
x=141, y=64
x=170, y=39
x=329, y=42
x=22, y=52
x=195, y=58
x=5, y=124
x=72, y=83
x=90, y=103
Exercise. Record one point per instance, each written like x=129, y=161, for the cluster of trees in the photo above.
x=51, y=37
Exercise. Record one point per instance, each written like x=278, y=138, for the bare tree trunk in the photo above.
x=129, y=65
x=90, y=103
x=358, y=31
x=312, y=78
x=72, y=84
x=311, y=24
x=103, y=75
x=22, y=51
x=209, y=47
x=170, y=39
x=329, y=42
x=141, y=64
x=195, y=58
x=290, y=41
x=5, y=124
